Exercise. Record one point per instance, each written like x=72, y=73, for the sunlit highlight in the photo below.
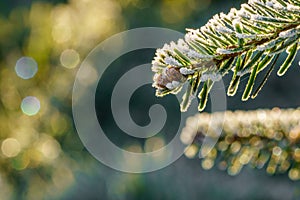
x=30, y=105
x=26, y=67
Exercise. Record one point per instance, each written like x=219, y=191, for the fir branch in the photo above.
x=260, y=139
x=245, y=41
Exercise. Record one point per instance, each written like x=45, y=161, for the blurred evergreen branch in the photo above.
x=260, y=139
x=246, y=41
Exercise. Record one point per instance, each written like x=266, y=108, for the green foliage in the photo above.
x=246, y=41
x=260, y=139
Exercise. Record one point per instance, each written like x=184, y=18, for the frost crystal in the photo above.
x=266, y=46
x=186, y=71
x=224, y=29
x=226, y=51
x=184, y=48
x=172, y=61
x=278, y=6
x=244, y=36
x=269, y=3
x=255, y=1
x=257, y=17
x=288, y=33
x=172, y=85
x=292, y=8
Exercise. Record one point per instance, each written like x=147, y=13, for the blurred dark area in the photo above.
x=41, y=155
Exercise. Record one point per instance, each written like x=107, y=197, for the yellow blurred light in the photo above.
x=244, y=159
x=205, y=149
x=136, y=148
x=235, y=147
x=277, y=151
x=207, y=163
x=222, y=146
x=187, y=135
x=261, y=115
x=297, y=154
x=62, y=29
x=10, y=147
x=69, y=58
x=278, y=136
x=35, y=157
x=271, y=169
x=191, y=151
x=294, y=133
x=61, y=33
x=285, y=166
x=234, y=170
x=212, y=153
x=294, y=174
x=25, y=135
x=153, y=144
x=50, y=149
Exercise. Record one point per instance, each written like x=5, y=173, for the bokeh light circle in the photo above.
x=69, y=58
x=30, y=105
x=26, y=67
x=10, y=147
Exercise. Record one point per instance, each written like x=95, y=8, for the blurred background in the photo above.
x=42, y=44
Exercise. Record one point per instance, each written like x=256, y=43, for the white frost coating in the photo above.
x=243, y=13
x=293, y=8
x=204, y=28
x=269, y=4
x=243, y=72
x=257, y=17
x=157, y=64
x=217, y=19
x=236, y=22
x=245, y=36
x=231, y=15
x=175, y=83
x=172, y=85
x=166, y=47
x=224, y=29
x=185, y=49
x=224, y=51
x=222, y=15
x=278, y=6
x=199, y=56
x=191, y=35
x=182, y=46
x=288, y=33
x=211, y=75
x=193, y=31
x=233, y=10
x=172, y=61
x=266, y=45
x=160, y=53
x=173, y=45
x=255, y=1
x=186, y=71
